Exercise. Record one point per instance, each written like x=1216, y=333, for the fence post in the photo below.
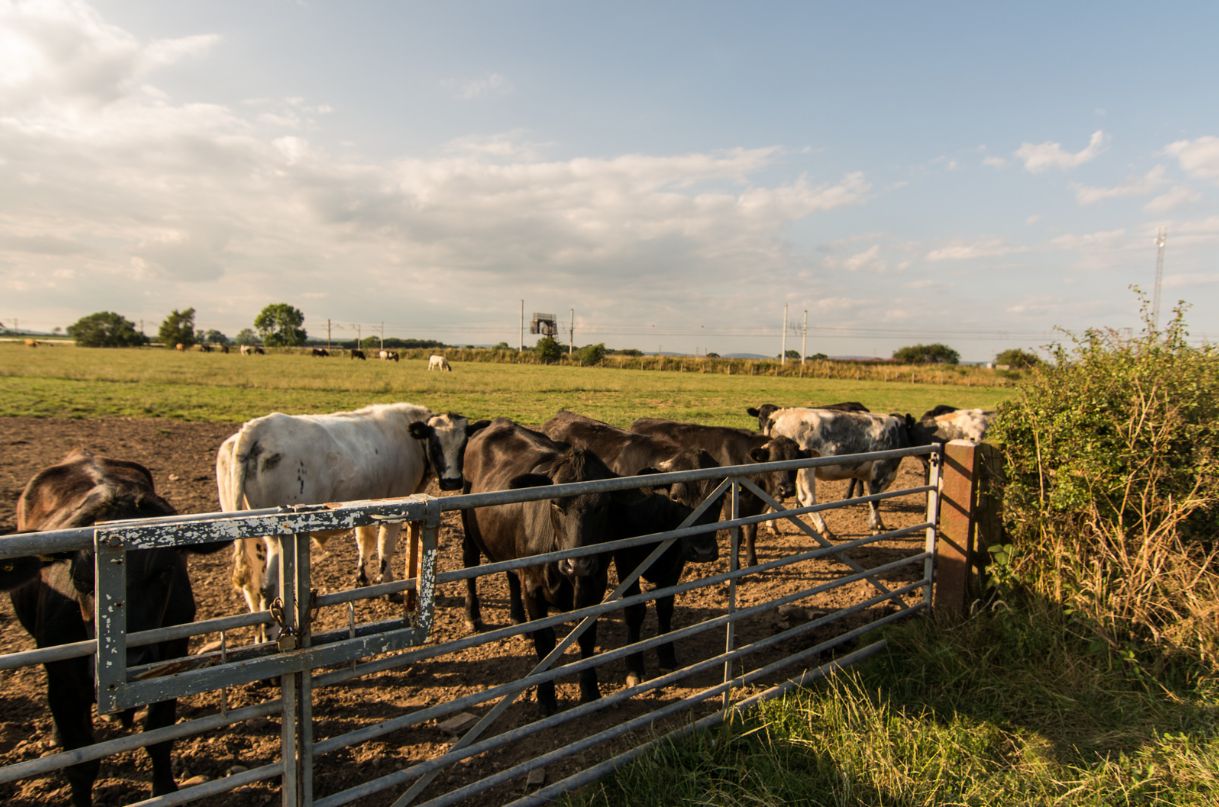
x=954, y=549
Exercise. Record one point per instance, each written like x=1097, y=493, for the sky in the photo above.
x=674, y=173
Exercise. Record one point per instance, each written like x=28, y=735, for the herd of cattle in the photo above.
x=394, y=450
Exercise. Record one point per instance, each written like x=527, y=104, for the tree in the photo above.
x=106, y=329
x=279, y=325
x=1018, y=359
x=246, y=336
x=927, y=354
x=590, y=355
x=791, y=354
x=818, y=357
x=548, y=350
x=178, y=328
x=214, y=337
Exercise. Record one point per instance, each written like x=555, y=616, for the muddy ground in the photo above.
x=181, y=458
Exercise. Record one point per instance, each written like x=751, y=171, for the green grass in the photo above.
x=63, y=381
x=1010, y=708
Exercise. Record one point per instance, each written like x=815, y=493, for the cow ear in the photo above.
x=420, y=430
x=759, y=454
x=648, y=471
x=752, y=411
x=477, y=426
x=16, y=571
x=529, y=481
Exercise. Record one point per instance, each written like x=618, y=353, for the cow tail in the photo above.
x=243, y=568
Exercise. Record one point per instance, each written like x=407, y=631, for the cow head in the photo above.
x=915, y=432
x=763, y=413
x=445, y=439
x=779, y=484
x=639, y=516
x=575, y=521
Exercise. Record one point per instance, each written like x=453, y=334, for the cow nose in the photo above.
x=567, y=566
x=702, y=553
x=450, y=484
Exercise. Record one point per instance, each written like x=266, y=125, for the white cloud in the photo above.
x=1101, y=239
x=994, y=162
x=1038, y=157
x=1136, y=186
x=1033, y=219
x=1174, y=198
x=481, y=87
x=1198, y=158
x=860, y=260
x=984, y=248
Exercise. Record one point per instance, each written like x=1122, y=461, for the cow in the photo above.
x=358, y=354
x=180, y=347
x=630, y=454
x=224, y=349
x=319, y=352
x=202, y=348
x=258, y=351
x=763, y=411
x=31, y=342
x=729, y=446
x=388, y=355
x=53, y=597
x=380, y=451
x=950, y=423
x=506, y=455
x=829, y=433
x=252, y=350
x=436, y=362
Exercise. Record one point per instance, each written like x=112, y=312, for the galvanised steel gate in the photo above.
x=302, y=660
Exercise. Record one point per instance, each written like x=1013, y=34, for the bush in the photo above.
x=178, y=328
x=1112, y=497
x=590, y=355
x=1017, y=359
x=926, y=354
x=549, y=351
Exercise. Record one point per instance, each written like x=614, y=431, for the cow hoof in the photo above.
x=633, y=680
x=475, y=625
x=548, y=708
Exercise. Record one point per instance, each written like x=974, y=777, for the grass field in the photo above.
x=63, y=381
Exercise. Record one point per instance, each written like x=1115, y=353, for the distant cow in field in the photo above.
x=388, y=355
x=224, y=349
x=506, y=455
x=358, y=354
x=436, y=362
x=31, y=343
x=53, y=597
x=252, y=350
x=202, y=348
x=729, y=446
x=380, y=451
x=831, y=433
x=180, y=347
x=319, y=352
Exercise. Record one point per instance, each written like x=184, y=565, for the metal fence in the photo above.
x=303, y=660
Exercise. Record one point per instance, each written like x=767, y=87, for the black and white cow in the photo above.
x=53, y=597
x=380, y=451
x=764, y=411
x=950, y=423
x=729, y=446
x=629, y=454
x=830, y=433
x=506, y=455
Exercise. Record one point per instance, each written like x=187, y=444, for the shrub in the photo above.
x=926, y=354
x=590, y=355
x=106, y=329
x=549, y=351
x=1112, y=497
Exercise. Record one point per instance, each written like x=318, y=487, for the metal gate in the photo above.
x=749, y=669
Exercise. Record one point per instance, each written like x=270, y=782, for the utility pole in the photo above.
x=783, y=349
x=328, y=334
x=804, y=338
x=571, y=334
x=1161, y=243
x=358, y=340
x=522, y=326
x=382, y=335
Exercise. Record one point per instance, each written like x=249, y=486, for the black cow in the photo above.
x=53, y=598
x=734, y=447
x=629, y=454
x=506, y=455
x=319, y=352
x=359, y=354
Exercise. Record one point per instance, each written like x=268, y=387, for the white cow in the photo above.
x=380, y=451
x=829, y=432
x=436, y=362
x=959, y=424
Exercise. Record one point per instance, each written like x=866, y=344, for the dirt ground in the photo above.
x=181, y=457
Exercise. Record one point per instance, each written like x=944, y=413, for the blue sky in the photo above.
x=676, y=173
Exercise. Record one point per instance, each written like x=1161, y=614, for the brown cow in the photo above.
x=53, y=598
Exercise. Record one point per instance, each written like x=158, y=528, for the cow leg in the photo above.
x=160, y=715
x=387, y=543
x=882, y=477
x=750, y=533
x=516, y=608
x=270, y=585
x=543, y=643
x=249, y=569
x=806, y=491
x=633, y=615
x=589, y=593
x=366, y=538
x=666, y=655
x=70, y=695
x=470, y=558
